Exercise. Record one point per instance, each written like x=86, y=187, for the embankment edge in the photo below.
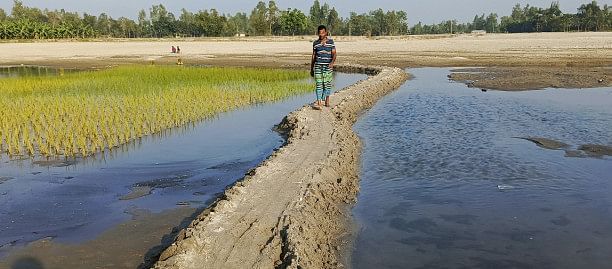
x=293, y=210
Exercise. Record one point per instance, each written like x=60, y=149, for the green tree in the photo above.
x=90, y=20
x=238, y=24
x=491, y=23
x=162, y=21
x=187, y=24
x=144, y=25
x=272, y=17
x=333, y=20
x=517, y=14
x=22, y=12
x=258, y=20
x=417, y=29
x=359, y=24
x=553, y=18
x=324, y=14
x=128, y=27
x=608, y=17
x=72, y=18
x=535, y=19
x=318, y=14
x=211, y=23
x=479, y=22
x=397, y=22
x=293, y=22
x=2, y=15
x=378, y=22
x=592, y=17
x=103, y=25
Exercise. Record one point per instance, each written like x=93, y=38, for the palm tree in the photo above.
x=590, y=16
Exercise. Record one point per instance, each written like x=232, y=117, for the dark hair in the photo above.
x=321, y=27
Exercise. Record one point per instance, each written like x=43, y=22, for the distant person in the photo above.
x=178, y=49
x=173, y=49
x=322, y=65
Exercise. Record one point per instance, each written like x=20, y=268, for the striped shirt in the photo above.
x=323, y=52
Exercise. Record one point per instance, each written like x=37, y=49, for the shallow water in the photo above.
x=29, y=71
x=444, y=183
x=72, y=202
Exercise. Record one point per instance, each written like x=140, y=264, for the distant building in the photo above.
x=479, y=32
x=240, y=35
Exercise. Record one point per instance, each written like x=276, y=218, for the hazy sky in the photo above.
x=428, y=11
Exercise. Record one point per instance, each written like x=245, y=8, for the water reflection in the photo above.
x=29, y=71
x=445, y=183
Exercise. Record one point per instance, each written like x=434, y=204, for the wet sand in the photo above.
x=109, y=250
x=531, y=78
x=582, y=151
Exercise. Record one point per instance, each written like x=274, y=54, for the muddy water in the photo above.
x=446, y=183
x=75, y=201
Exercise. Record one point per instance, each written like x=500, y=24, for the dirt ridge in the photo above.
x=292, y=211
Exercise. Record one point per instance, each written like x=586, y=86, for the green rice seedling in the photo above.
x=79, y=114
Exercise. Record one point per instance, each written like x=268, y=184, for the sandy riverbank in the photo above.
x=293, y=210
x=539, y=59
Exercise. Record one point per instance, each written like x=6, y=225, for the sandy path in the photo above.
x=241, y=227
x=292, y=210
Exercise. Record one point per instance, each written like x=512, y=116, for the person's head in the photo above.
x=322, y=31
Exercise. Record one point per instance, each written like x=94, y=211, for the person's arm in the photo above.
x=331, y=65
x=312, y=62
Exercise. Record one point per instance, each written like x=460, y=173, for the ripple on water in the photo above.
x=446, y=184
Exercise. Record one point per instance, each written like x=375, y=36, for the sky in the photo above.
x=429, y=11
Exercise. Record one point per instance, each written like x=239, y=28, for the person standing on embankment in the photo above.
x=322, y=65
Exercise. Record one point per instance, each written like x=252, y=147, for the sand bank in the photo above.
x=540, y=59
x=293, y=210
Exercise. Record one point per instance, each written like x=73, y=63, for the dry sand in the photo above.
x=541, y=49
x=539, y=55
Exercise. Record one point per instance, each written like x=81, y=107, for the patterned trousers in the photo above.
x=323, y=78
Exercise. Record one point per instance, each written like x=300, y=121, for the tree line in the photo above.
x=589, y=17
x=268, y=19
x=264, y=20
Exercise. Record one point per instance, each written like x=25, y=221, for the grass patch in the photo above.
x=83, y=113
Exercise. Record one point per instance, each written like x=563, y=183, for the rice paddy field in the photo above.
x=79, y=114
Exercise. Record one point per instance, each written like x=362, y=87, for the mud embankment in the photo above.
x=531, y=78
x=293, y=210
